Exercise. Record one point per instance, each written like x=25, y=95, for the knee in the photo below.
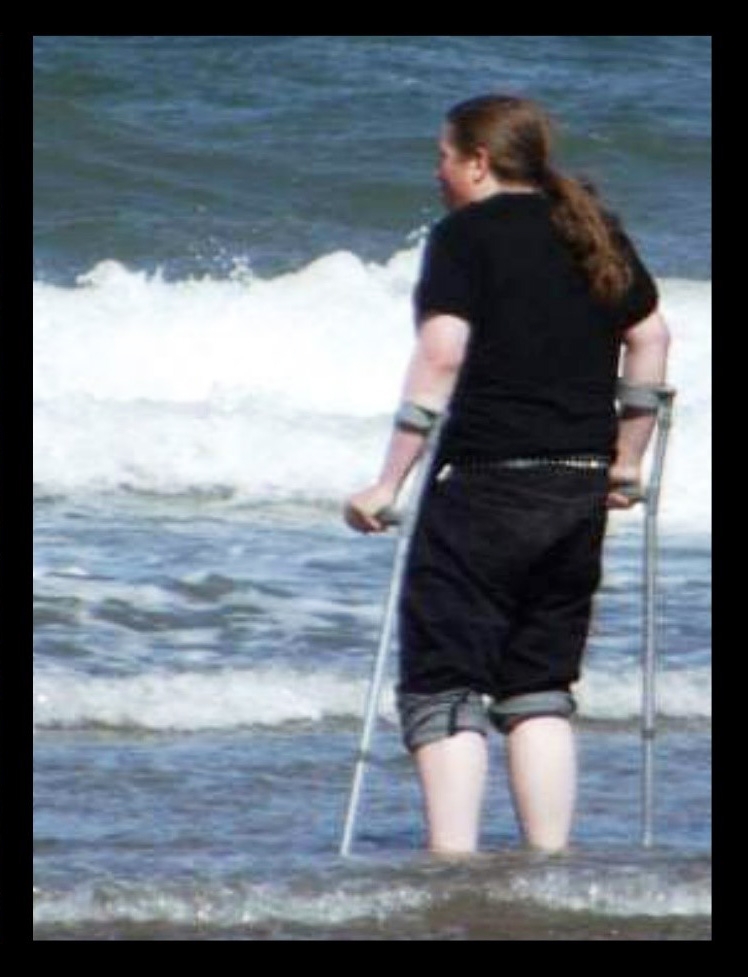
x=505, y=714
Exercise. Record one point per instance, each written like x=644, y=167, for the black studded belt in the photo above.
x=579, y=462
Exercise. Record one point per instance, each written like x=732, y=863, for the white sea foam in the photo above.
x=230, y=698
x=619, y=891
x=615, y=693
x=622, y=891
x=192, y=701
x=275, y=389
x=221, y=906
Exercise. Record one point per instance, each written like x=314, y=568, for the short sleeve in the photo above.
x=642, y=296
x=444, y=286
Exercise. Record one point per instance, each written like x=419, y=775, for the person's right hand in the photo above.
x=364, y=511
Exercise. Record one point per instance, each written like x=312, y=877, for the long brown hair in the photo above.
x=518, y=137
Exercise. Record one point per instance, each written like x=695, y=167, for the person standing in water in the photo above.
x=528, y=294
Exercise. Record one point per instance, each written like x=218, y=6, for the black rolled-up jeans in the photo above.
x=497, y=596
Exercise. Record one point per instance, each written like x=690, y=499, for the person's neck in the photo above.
x=494, y=187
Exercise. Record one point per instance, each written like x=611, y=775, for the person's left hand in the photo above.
x=360, y=511
x=625, y=487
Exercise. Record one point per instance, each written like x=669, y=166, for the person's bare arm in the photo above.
x=645, y=356
x=429, y=383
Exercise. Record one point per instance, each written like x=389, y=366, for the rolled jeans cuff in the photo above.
x=505, y=714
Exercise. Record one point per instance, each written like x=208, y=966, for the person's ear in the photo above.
x=481, y=164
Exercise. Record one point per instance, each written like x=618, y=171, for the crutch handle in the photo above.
x=389, y=516
x=630, y=489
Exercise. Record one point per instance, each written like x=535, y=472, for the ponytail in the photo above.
x=590, y=235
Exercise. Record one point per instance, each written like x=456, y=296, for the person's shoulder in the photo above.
x=458, y=226
x=450, y=223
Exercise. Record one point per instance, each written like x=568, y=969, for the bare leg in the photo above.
x=542, y=765
x=452, y=773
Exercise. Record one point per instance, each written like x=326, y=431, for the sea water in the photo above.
x=227, y=233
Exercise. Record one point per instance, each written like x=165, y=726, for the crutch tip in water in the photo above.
x=530, y=296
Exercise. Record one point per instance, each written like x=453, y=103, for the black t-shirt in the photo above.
x=540, y=369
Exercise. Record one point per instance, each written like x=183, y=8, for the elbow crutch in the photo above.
x=656, y=399
x=406, y=526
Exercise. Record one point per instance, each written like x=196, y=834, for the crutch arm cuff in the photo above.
x=411, y=416
x=643, y=396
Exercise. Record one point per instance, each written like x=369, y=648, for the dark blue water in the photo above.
x=188, y=152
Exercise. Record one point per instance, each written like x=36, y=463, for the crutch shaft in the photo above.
x=373, y=695
x=649, y=664
x=407, y=525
